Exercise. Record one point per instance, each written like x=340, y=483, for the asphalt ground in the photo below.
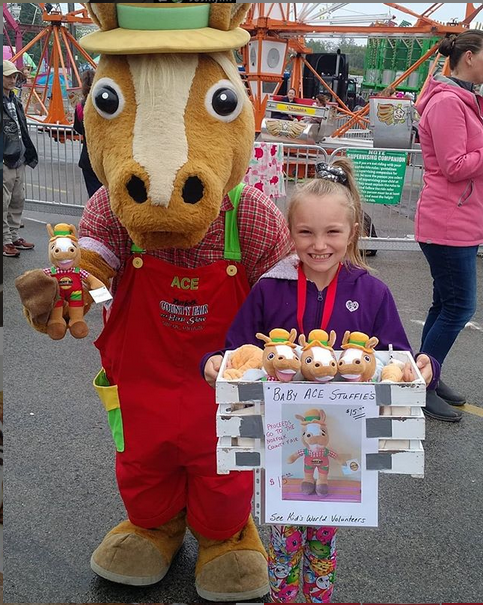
x=62, y=497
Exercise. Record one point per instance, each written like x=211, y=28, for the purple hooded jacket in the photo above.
x=450, y=208
x=363, y=303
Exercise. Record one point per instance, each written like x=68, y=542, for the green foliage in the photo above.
x=30, y=14
x=355, y=52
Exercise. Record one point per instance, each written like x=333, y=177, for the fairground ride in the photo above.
x=45, y=101
x=278, y=39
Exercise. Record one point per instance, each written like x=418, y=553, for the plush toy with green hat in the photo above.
x=280, y=361
x=318, y=361
x=170, y=130
x=358, y=360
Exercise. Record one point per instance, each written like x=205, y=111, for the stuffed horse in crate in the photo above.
x=280, y=361
x=318, y=360
x=357, y=362
x=170, y=131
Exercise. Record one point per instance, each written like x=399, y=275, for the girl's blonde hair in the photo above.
x=321, y=187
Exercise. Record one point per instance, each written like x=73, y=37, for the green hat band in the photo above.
x=279, y=340
x=188, y=17
x=310, y=418
x=59, y=233
x=322, y=342
x=361, y=343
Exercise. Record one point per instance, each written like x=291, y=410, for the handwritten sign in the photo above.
x=315, y=451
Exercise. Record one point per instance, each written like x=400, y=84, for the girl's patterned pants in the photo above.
x=301, y=556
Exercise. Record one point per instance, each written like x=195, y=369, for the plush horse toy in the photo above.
x=246, y=357
x=318, y=361
x=65, y=258
x=358, y=361
x=279, y=359
x=170, y=130
x=316, y=452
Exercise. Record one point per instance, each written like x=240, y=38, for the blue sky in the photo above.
x=447, y=12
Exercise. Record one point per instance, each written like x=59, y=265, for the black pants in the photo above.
x=91, y=180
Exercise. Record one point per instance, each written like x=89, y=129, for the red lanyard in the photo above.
x=302, y=298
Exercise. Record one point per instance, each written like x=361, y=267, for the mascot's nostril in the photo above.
x=193, y=190
x=137, y=190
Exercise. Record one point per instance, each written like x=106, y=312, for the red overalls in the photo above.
x=163, y=320
x=70, y=286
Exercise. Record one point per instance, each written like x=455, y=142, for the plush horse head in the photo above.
x=64, y=250
x=358, y=361
x=314, y=429
x=168, y=120
x=279, y=359
x=318, y=361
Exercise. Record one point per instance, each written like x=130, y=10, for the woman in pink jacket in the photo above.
x=449, y=216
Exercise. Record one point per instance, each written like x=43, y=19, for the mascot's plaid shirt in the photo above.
x=263, y=232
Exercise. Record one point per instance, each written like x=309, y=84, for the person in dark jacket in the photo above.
x=288, y=98
x=18, y=151
x=90, y=178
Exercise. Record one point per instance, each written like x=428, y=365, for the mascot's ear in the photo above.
x=103, y=14
x=227, y=16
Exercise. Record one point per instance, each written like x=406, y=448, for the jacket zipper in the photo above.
x=464, y=199
x=320, y=298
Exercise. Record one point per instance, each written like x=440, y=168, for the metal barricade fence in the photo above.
x=394, y=223
x=299, y=165
x=357, y=131
x=56, y=184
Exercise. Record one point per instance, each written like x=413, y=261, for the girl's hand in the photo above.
x=212, y=367
x=424, y=364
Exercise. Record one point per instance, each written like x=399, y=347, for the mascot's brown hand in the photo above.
x=96, y=266
x=38, y=293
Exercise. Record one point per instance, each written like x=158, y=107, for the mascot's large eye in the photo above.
x=308, y=360
x=223, y=101
x=107, y=98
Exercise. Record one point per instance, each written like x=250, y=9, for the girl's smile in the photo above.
x=321, y=231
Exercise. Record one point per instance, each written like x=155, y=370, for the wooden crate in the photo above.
x=400, y=426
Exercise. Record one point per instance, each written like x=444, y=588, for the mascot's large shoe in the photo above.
x=233, y=569
x=139, y=557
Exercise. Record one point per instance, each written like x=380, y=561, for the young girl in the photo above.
x=325, y=285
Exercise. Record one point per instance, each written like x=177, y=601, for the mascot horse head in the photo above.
x=168, y=120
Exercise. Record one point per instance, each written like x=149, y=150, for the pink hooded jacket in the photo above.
x=450, y=207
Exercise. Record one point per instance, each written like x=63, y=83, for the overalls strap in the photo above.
x=232, y=241
x=232, y=249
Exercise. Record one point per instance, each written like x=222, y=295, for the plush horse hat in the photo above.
x=314, y=416
x=181, y=27
x=359, y=340
x=318, y=338
x=62, y=230
x=279, y=336
x=168, y=119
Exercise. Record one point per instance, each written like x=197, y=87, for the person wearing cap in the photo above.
x=18, y=151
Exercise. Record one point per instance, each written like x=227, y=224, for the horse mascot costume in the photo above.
x=179, y=241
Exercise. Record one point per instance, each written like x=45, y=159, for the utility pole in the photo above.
x=71, y=9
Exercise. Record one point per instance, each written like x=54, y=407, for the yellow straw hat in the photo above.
x=357, y=340
x=179, y=27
